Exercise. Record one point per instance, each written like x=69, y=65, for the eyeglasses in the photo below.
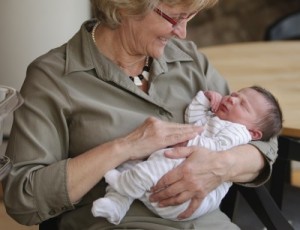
x=174, y=21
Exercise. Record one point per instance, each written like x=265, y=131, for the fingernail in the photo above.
x=161, y=205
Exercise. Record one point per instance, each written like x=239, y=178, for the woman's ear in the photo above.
x=255, y=134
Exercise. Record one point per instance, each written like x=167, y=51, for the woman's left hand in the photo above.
x=199, y=174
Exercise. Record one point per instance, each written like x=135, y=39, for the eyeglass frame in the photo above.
x=172, y=20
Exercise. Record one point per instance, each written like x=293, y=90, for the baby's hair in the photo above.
x=271, y=123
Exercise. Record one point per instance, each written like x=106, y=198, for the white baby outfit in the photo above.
x=134, y=179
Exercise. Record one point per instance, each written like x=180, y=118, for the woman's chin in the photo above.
x=158, y=52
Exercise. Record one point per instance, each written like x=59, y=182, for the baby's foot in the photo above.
x=105, y=207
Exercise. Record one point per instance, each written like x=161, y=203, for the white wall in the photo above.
x=29, y=28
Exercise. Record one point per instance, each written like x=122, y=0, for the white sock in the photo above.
x=106, y=208
x=113, y=206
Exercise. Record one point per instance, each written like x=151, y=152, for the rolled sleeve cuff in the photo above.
x=269, y=152
x=52, y=198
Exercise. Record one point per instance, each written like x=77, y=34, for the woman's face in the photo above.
x=149, y=35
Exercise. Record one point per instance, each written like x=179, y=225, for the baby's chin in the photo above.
x=220, y=114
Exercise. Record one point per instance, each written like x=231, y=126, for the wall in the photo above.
x=238, y=20
x=30, y=28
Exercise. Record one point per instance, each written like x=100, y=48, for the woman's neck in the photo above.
x=110, y=43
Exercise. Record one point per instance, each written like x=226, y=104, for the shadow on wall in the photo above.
x=237, y=21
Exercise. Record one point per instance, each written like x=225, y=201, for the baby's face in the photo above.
x=246, y=107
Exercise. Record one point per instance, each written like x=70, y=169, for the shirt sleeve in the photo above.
x=269, y=151
x=36, y=188
x=198, y=110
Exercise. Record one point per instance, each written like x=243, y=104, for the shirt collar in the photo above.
x=173, y=53
x=81, y=52
x=78, y=50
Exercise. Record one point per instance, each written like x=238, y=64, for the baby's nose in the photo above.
x=232, y=100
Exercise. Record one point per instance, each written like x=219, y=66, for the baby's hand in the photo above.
x=214, y=98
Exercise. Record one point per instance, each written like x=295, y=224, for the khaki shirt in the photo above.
x=75, y=99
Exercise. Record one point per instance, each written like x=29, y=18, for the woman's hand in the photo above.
x=199, y=174
x=155, y=134
x=152, y=135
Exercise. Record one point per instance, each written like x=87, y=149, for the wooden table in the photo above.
x=273, y=65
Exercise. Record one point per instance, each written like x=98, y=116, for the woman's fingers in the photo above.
x=172, y=197
x=165, y=132
x=155, y=134
x=194, y=204
x=167, y=187
x=179, y=152
x=192, y=180
x=176, y=133
x=172, y=176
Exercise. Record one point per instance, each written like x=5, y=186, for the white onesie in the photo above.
x=133, y=180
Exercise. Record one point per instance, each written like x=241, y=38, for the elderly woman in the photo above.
x=115, y=92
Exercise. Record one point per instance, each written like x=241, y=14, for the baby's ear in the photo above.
x=255, y=134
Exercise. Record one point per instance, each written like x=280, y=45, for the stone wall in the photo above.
x=237, y=20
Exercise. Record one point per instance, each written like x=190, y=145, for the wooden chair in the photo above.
x=288, y=150
x=262, y=204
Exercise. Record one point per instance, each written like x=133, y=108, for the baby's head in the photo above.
x=254, y=107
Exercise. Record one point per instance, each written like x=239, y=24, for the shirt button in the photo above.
x=65, y=208
x=52, y=212
x=161, y=112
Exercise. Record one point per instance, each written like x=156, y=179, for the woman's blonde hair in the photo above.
x=108, y=11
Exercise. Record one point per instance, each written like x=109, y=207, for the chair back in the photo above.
x=285, y=28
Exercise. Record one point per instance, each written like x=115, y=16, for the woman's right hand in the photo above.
x=155, y=134
x=85, y=170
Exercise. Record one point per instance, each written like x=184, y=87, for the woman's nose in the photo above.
x=180, y=30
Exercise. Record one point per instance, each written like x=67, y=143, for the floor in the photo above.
x=244, y=216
